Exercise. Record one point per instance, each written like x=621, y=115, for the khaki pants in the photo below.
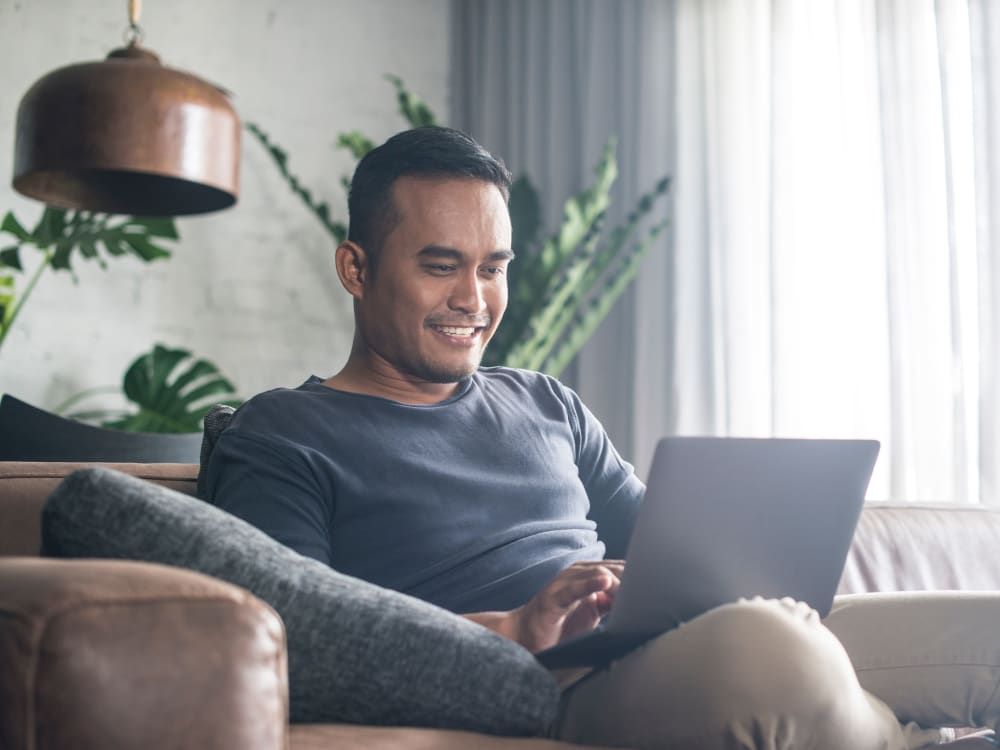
x=769, y=675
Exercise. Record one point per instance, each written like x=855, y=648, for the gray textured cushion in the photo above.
x=357, y=653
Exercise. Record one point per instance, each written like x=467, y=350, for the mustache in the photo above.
x=465, y=321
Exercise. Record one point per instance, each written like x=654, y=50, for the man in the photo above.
x=495, y=493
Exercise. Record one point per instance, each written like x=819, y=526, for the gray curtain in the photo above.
x=544, y=83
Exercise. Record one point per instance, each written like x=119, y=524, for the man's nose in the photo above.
x=467, y=294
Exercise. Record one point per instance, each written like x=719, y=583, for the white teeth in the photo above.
x=456, y=331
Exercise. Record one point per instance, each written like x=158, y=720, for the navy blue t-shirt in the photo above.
x=473, y=504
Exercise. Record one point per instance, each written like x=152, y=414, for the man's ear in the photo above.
x=352, y=268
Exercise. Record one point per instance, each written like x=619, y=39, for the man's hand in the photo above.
x=572, y=604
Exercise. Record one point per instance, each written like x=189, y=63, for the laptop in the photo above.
x=725, y=518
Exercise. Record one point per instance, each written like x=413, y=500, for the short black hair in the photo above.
x=430, y=151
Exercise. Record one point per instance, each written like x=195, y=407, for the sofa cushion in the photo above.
x=357, y=653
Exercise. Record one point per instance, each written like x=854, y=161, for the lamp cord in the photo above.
x=134, y=33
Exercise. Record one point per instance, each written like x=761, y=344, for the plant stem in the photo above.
x=6, y=324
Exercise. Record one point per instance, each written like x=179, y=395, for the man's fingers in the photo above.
x=614, y=568
x=572, y=603
x=617, y=564
x=582, y=583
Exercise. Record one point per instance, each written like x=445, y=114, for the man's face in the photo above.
x=440, y=286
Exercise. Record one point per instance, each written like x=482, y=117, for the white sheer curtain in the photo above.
x=834, y=266
x=836, y=230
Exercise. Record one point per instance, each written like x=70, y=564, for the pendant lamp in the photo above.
x=128, y=135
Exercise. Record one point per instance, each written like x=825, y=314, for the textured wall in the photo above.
x=252, y=288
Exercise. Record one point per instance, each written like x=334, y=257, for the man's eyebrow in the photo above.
x=437, y=251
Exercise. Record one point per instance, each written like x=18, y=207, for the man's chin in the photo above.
x=442, y=373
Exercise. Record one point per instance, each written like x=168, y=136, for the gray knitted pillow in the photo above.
x=357, y=653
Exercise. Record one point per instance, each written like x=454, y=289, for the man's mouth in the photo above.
x=455, y=330
x=458, y=331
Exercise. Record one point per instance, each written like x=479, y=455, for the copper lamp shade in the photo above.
x=127, y=136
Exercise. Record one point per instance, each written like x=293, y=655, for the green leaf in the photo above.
x=146, y=378
x=411, y=107
x=50, y=226
x=155, y=226
x=143, y=248
x=11, y=225
x=6, y=298
x=173, y=390
x=11, y=257
x=538, y=276
x=567, y=312
x=88, y=247
x=60, y=259
x=569, y=285
x=356, y=143
x=589, y=317
x=113, y=246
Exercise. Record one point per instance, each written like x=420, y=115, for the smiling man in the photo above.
x=477, y=489
x=495, y=493
x=441, y=292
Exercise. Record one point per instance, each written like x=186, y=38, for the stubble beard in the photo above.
x=439, y=373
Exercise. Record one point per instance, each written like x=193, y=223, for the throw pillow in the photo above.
x=357, y=653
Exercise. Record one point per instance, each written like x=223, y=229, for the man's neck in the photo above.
x=360, y=377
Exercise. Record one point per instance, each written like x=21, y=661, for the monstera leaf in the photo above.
x=173, y=390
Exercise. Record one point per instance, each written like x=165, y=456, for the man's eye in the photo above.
x=439, y=268
x=494, y=270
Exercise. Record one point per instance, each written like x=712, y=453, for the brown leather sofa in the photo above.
x=115, y=654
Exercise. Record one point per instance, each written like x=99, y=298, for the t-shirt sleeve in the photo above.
x=271, y=484
x=614, y=491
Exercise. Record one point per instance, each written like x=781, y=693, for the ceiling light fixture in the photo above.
x=128, y=135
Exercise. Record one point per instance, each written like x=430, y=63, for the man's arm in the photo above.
x=615, y=492
x=266, y=483
x=572, y=604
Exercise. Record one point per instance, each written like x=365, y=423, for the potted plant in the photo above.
x=561, y=287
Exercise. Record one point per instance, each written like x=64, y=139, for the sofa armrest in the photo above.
x=115, y=654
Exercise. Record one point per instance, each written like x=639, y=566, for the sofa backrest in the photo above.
x=919, y=546
x=25, y=485
x=897, y=546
